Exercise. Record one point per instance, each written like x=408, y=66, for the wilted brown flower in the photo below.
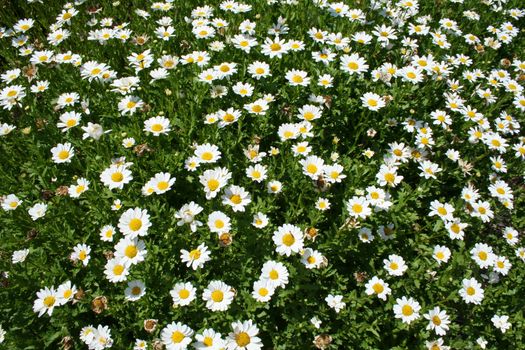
x=40, y=123
x=225, y=239
x=157, y=345
x=66, y=342
x=79, y=295
x=141, y=149
x=150, y=325
x=99, y=304
x=46, y=195
x=31, y=234
x=140, y=39
x=311, y=233
x=62, y=191
x=30, y=72
x=360, y=277
x=322, y=341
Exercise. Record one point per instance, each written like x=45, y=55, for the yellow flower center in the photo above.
x=357, y=208
x=219, y=223
x=118, y=270
x=236, y=199
x=208, y=341
x=471, y=291
x=135, y=224
x=63, y=154
x=275, y=47
x=407, y=310
x=163, y=185
x=184, y=293
x=274, y=275
x=288, y=239
x=311, y=168
x=353, y=66
x=242, y=339
x=177, y=337
x=217, y=296
x=156, y=127
x=117, y=177
x=263, y=292
x=131, y=251
x=436, y=320
x=49, y=301
x=378, y=288
x=195, y=254
x=207, y=156
x=213, y=184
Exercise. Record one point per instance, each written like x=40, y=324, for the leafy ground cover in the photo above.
x=265, y=174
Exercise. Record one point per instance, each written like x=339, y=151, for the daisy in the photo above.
x=135, y=290
x=37, y=211
x=65, y=292
x=354, y=64
x=262, y=291
x=438, y=320
x=131, y=250
x=406, y=309
x=379, y=287
x=207, y=153
x=275, y=273
x=444, y=211
x=116, y=176
x=244, y=336
x=260, y=220
x=197, y=257
x=358, y=207
x=116, y=270
x=297, y=78
x=274, y=48
x=482, y=210
x=322, y=204
x=441, y=254
x=214, y=180
x=186, y=215
x=387, y=175
x=81, y=252
x=471, y=291
x=68, y=120
x=82, y=186
x=19, y=256
x=502, y=265
x=157, y=125
x=228, y=117
x=11, y=202
x=46, y=301
x=501, y=322
x=483, y=256
x=259, y=70
x=134, y=222
x=209, y=339
x=313, y=166
x=288, y=239
x=183, y=293
x=335, y=302
x=218, y=296
x=162, y=182
x=311, y=259
x=176, y=336
x=106, y=233
x=129, y=105
x=219, y=222
x=236, y=197
x=62, y=153
x=395, y=265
